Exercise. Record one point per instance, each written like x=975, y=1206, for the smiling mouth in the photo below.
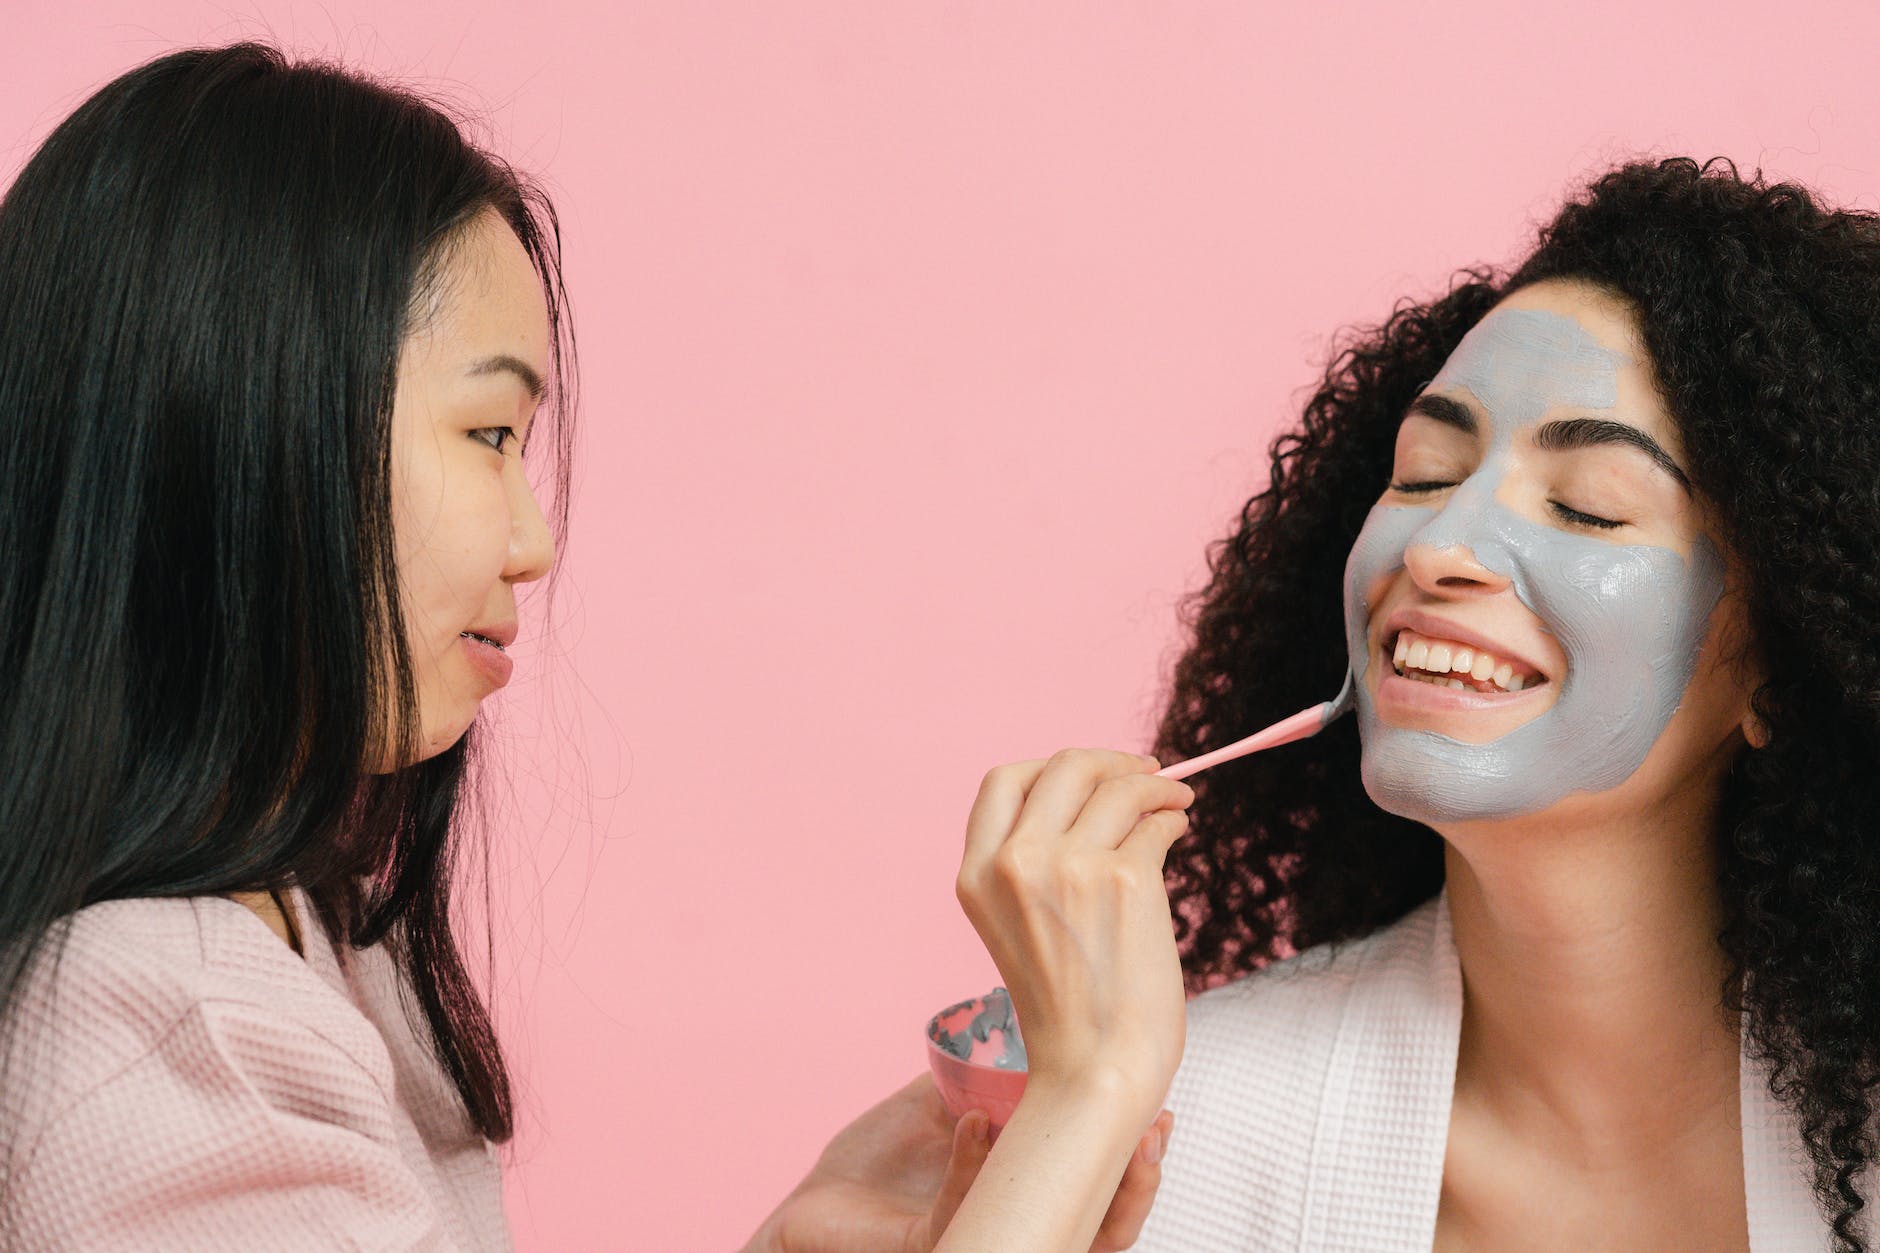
x=1449, y=664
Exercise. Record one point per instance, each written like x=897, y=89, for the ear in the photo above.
x=1755, y=730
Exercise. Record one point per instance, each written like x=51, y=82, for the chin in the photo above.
x=439, y=738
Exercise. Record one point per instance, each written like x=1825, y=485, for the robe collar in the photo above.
x=1391, y=1088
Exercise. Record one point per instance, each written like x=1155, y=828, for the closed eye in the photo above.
x=1566, y=512
x=503, y=435
x=1584, y=519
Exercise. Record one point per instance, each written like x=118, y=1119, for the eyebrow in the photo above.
x=1559, y=436
x=503, y=363
x=1586, y=432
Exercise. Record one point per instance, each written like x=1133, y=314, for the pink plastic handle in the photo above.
x=1307, y=722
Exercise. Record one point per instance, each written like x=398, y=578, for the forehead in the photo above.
x=1553, y=346
x=488, y=297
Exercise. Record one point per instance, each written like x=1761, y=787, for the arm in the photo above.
x=1062, y=878
x=892, y=1181
x=1050, y=1177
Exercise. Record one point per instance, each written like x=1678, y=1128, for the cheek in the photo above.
x=1728, y=671
x=451, y=537
x=1630, y=619
x=1376, y=556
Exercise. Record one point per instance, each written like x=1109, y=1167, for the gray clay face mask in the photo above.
x=1630, y=618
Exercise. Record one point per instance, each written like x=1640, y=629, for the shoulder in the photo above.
x=1304, y=996
x=192, y=988
x=182, y=1075
x=1271, y=1063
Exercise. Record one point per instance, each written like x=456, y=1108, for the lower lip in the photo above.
x=489, y=659
x=1394, y=689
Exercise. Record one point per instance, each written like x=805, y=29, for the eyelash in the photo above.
x=507, y=432
x=1565, y=511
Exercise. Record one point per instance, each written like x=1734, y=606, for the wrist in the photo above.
x=1054, y=1170
x=1102, y=1112
x=1097, y=1091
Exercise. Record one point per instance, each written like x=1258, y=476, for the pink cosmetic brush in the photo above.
x=1307, y=722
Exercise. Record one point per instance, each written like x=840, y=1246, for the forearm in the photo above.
x=1050, y=1178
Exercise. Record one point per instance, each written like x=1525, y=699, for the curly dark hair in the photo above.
x=1760, y=308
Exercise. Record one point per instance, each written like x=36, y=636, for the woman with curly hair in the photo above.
x=1571, y=937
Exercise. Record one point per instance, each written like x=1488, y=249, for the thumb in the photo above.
x=971, y=1143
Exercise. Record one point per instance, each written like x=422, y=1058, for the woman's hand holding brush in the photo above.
x=1062, y=878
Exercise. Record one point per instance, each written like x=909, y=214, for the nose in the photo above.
x=531, y=546
x=1451, y=571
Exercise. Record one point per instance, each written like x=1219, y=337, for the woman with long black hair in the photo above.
x=277, y=342
x=265, y=517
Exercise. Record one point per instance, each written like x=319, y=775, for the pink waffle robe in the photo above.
x=189, y=1082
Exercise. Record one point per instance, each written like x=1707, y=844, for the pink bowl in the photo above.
x=980, y=1027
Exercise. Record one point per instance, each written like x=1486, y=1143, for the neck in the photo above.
x=1592, y=979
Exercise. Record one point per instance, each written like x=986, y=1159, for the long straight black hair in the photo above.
x=206, y=273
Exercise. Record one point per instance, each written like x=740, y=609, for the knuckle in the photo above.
x=998, y=779
x=1002, y=774
x=1010, y=865
x=1124, y=877
x=971, y=890
x=1069, y=759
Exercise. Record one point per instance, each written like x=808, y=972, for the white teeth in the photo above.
x=1438, y=660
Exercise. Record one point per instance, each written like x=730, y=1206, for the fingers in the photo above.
x=1152, y=838
x=971, y=1143
x=1113, y=810
x=1001, y=796
x=1098, y=794
x=1135, y=1195
x=1069, y=778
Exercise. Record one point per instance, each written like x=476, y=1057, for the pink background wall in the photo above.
x=926, y=347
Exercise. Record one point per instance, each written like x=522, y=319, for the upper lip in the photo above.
x=1442, y=628
x=503, y=633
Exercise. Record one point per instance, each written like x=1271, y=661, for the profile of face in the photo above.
x=1539, y=613
x=467, y=527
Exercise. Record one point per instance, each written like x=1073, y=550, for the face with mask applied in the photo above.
x=1537, y=610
